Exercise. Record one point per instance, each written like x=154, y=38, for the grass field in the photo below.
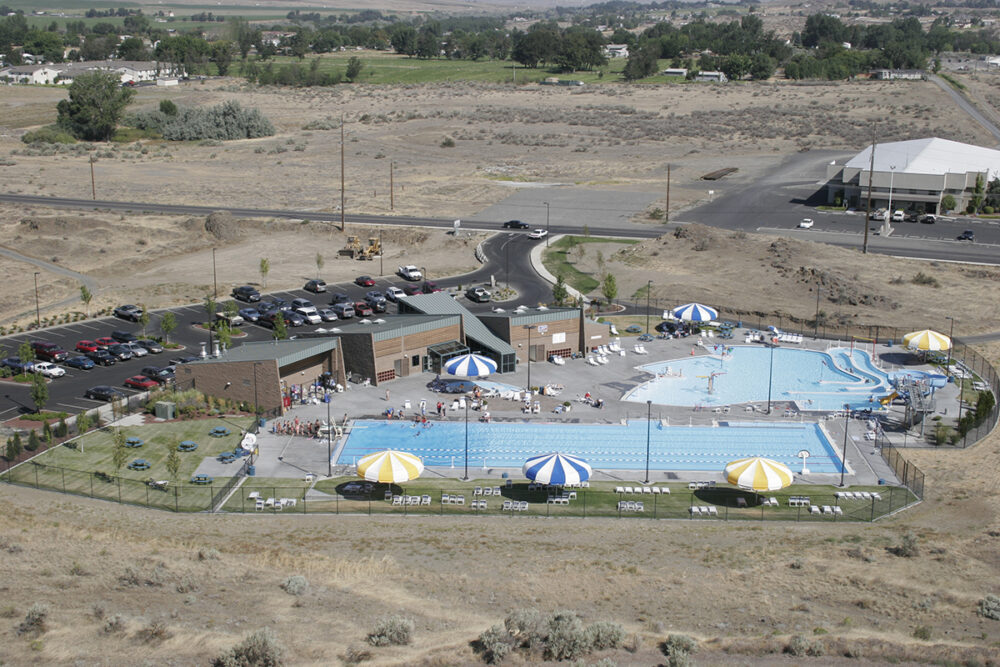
x=73, y=470
x=558, y=261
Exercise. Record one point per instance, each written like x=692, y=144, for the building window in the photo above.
x=415, y=360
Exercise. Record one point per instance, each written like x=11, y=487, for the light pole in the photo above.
x=816, y=321
x=843, y=461
x=506, y=262
x=649, y=288
x=38, y=311
x=546, y=223
x=529, y=327
x=215, y=282
x=256, y=406
x=381, y=254
x=466, y=476
x=329, y=437
x=770, y=376
x=649, y=420
x=892, y=174
x=951, y=345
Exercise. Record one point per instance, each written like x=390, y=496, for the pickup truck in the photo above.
x=231, y=320
x=410, y=272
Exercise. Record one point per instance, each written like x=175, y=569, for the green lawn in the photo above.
x=558, y=259
x=73, y=470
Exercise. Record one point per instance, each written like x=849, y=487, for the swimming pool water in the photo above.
x=814, y=380
x=607, y=446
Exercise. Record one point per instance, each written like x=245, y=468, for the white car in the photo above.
x=898, y=216
x=410, y=272
x=136, y=349
x=310, y=314
x=538, y=234
x=806, y=223
x=49, y=370
x=394, y=294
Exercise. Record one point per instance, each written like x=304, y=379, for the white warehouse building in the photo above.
x=919, y=173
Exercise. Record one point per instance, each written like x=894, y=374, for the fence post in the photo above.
x=584, y=494
x=63, y=471
x=36, y=475
x=872, y=519
x=91, y=485
x=119, y=489
x=177, y=506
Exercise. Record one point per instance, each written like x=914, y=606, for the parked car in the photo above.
x=344, y=311
x=49, y=351
x=82, y=363
x=274, y=304
x=120, y=352
x=292, y=318
x=339, y=297
x=49, y=369
x=967, y=235
x=376, y=301
x=429, y=287
x=315, y=286
x=184, y=360
x=309, y=314
x=912, y=216
x=87, y=346
x=478, y=294
x=124, y=336
x=393, y=294
x=104, y=342
x=250, y=314
x=163, y=375
x=364, y=281
x=151, y=345
x=327, y=315
x=103, y=393
x=898, y=215
x=806, y=223
x=515, y=224
x=877, y=214
x=410, y=272
x=129, y=312
x=412, y=290
x=246, y=293
x=17, y=366
x=538, y=234
x=136, y=349
x=301, y=303
x=102, y=357
x=141, y=382
x=232, y=320
x=928, y=219
x=362, y=309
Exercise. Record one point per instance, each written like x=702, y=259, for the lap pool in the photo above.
x=812, y=379
x=604, y=446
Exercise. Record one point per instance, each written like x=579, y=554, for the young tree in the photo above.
x=319, y=264
x=82, y=423
x=39, y=392
x=167, y=324
x=168, y=108
x=119, y=453
x=25, y=353
x=47, y=433
x=33, y=441
x=280, y=330
x=609, y=288
x=13, y=447
x=948, y=203
x=265, y=267
x=144, y=318
x=96, y=103
x=354, y=67
x=559, y=291
x=86, y=297
x=224, y=335
x=173, y=461
x=211, y=308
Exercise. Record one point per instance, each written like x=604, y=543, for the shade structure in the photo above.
x=556, y=468
x=470, y=366
x=927, y=340
x=390, y=467
x=758, y=474
x=695, y=312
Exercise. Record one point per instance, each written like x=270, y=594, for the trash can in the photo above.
x=261, y=422
x=251, y=471
x=888, y=343
x=326, y=398
x=881, y=482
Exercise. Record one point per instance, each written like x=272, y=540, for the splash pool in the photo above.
x=812, y=379
x=604, y=446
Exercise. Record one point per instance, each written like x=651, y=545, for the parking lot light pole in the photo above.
x=529, y=327
x=38, y=310
x=546, y=224
x=951, y=345
x=329, y=437
x=215, y=281
x=649, y=421
x=649, y=288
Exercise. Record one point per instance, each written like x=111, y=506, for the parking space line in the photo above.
x=87, y=326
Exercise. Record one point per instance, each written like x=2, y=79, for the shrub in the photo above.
x=605, y=634
x=356, y=654
x=33, y=442
x=134, y=577
x=923, y=279
x=261, y=649
x=448, y=143
x=115, y=625
x=208, y=554
x=225, y=121
x=50, y=134
x=494, y=644
x=990, y=607
x=567, y=637
x=525, y=626
x=908, y=548
x=154, y=633
x=922, y=632
x=34, y=621
x=677, y=645
x=295, y=585
x=391, y=631
x=633, y=643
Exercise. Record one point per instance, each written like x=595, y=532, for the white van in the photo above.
x=898, y=215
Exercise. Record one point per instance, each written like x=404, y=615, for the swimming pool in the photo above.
x=812, y=379
x=607, y=446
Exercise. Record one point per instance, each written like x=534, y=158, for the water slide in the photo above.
x=887, y=400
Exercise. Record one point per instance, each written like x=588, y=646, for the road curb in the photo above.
x=535, y=257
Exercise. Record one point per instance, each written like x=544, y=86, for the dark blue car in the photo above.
x=16, y=365
x=83, y=363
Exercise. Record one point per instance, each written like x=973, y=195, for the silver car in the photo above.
x=136, y=349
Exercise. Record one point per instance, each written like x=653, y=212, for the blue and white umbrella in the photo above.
x=556, y=468
x=695, y=312
x=470, y=366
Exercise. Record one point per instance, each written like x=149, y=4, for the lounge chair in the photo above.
x=259, y=505
x=269, y=502
x=397, y=500
x=445, y=498
x=838, y=510
x=602, y=360
x=477, y=491
x=639, y=507
x=506, y=505
x=406, y=404
x=713, y=510
x=459, y=500
x=646, y=489
x=288, y=502
x=537, y=409
x=425, y=500
x=655, y=490
x=592, y=361
x=621, y=505
x=814, y=509
x=826, y=509
x=628, y=489
x=619, y=489
x=254, y=495
x=454, y=406
x=522, y=506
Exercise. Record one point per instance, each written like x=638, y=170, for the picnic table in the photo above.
x=219, y=432
x=139, y=464
x=187, y=446
x=201, y=479
x=134, y=442
x=228, y=457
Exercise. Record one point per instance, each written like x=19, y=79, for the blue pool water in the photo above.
x=607, y=446
x=814, y=380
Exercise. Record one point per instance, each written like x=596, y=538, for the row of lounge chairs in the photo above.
x=478, y=504
x=770, y=502
x=826, y=509
x=630, y=506
x=640, y=349
x=655, y=490
x=798, y=501
x=273, y=503
x=704, y=510
x=514, y=505
x=558, y=500
x=411, y=500
x=858, y=495
x=451, y=499
x=532, y=409
x=694, y=486
x=486, y=491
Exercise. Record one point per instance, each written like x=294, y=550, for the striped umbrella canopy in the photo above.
x=470, y=366
x=927, y=340
x=695, y=312
x=390, y=467
x=758, y=474
x=556, y=468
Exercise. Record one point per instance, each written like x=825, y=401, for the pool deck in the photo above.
x=291, y=456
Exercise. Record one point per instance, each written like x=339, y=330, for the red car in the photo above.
x=364, y=281
x=86, y=346
x=105, y=342
x=141, y=382
x=362, y=309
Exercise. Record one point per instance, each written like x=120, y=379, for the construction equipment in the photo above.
x=353, y=248
x=373, y=250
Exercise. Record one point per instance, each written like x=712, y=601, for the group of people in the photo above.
x=308, y=429
x=593, y=402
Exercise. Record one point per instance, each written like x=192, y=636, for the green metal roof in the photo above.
x=441, y=303
x=284, y=352
x=395, y=326
x=537, y=315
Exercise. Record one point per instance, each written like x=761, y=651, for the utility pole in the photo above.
x=215, y=282
x=343, y=223
x=666, y=208
x=871, y=177
x=392, y=194
x=93, y=183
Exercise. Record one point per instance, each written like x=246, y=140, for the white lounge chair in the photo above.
x=397, y=500
x=254, y=495
x=406, y=404
x=814, y=509
x=592, y=361
x=425, y=500
x=713, y=510
x=628, y=489
x=619, y=489
x=838, y=510
x=655, y=490
x=477, y=491
x=537, y=409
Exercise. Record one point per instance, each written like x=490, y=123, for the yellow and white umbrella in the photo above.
x=927, y=340
x=390, y=467
x=758, y=474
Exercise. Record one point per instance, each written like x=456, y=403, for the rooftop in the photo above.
x=284, y=352
x=929, y=156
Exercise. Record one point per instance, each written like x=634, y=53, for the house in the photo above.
x=32, y=74
x=274, y=37
x=717, y=77
x=616, y=50
x=898, y=74
x=675, y=71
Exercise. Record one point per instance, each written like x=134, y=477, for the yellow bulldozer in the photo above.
x=355, y=250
